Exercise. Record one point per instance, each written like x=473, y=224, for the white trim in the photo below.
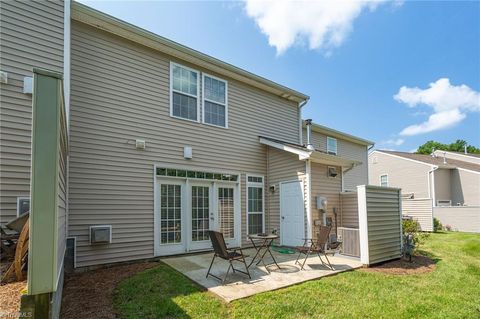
x=286, y=148
x=467, y=170
x=19, y=198
x=336, y=146
x=156, y=214
x=380, y=180
x=308, y=197
x=172, y=64
x=66, y=60
x=215, y=102
x=363, y=224
x=401, y=157
x=255, y=184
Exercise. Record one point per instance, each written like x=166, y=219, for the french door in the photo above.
x=189, y=208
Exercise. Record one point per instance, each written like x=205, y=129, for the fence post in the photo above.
x=363, y=224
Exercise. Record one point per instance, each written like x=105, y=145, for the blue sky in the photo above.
x=352, y=60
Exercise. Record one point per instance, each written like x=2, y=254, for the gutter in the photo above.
x=300, y=121
x=431, y=185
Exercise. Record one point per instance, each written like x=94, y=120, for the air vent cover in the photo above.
x=100, y=234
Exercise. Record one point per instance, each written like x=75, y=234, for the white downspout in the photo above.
x=308, y=173
x=300, y=122
x=431, y=185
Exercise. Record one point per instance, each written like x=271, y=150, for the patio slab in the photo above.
x=240, y=286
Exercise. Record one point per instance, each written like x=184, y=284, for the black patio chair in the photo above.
x=220, y=250
x=317, y=246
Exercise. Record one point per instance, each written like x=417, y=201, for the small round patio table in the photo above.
x=262, y=244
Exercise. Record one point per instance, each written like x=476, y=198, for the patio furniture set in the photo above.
x=262, y=243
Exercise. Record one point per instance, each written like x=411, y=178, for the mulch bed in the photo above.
x=90, y=294
x=10, y=298
x=419, y=265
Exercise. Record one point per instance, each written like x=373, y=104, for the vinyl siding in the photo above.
x=62, y=189
x=31, y=36
x=442, y=185
x=349, y=210
x=120, y=92
x=464, y=218
x=282, y=167
x=465, y=187
x=349, y=150
x=420, y=210
x=325, y=186
x=458, y=156
x=411, y=177
x=384, y=229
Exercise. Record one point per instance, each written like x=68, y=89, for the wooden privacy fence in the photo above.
x=380, y=223
x=419, y=210
x=459, y=218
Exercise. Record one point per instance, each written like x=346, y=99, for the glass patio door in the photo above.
x=226, y=213
x=202, y=214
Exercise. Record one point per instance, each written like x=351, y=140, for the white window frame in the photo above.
x=255, y=184
x=172, y=64
x=19, y=198
x=386, y=175
x=336, y=146
x=211, y=101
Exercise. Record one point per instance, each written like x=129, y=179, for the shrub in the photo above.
x=437, y=225
x=413, y=237
x=448, y=228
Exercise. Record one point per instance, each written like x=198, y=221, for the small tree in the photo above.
x=437, y=225
x=413, y=237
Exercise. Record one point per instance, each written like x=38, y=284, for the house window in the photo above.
x=23, y=205
x=215, y=109
x=331, y=145
x=184, y=84
x=384, y=180
x=255, y=207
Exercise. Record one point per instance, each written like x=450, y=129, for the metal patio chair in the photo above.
x=316, y=246
x=220, y=250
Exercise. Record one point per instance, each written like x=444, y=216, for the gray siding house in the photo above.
x=164, y=142
x=432, y=185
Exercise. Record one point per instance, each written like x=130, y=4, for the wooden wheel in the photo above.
x=21, y=251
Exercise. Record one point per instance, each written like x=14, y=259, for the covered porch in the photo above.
x=240, y=286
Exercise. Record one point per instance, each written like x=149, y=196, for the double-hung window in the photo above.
x=184, y=84
x=255, y=205
x=384, y=180
x=215, y=110
x=331, y=145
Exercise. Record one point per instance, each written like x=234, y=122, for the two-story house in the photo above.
x=165, y=142
x=444, y=185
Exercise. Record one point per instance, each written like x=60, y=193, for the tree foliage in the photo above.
x=457, y=146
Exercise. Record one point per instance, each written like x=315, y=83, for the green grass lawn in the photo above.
x=451, y=291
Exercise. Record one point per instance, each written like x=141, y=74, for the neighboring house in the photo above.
x=165, y=142
x=431, y=182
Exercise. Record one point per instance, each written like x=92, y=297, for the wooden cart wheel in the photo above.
x=21, y=251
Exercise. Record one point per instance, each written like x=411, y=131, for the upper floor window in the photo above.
x=384, y=180
x=184, y=86
x=215, y=110
x=331, y=145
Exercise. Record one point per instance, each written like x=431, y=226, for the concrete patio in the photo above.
x=240, y=286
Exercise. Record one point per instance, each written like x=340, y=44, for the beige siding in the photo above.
x=31, y=36
x=420, y=210
x=410, y=176
x=465, y=187
x=349, y=150
x=384, y=228
x=62, y=189
x=349, y=210
x=463, y=218
x=325, y=186
x=120, y=92
x=282, y=167
x=443, y=184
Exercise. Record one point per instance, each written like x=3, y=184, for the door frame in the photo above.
x=280, y=206
x=160, y=249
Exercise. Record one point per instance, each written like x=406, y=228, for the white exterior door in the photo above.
x=292, y=213
x=187, y=209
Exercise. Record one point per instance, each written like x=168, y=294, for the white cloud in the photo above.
x=449, y=104
x=396, y=142
x=323, y=23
